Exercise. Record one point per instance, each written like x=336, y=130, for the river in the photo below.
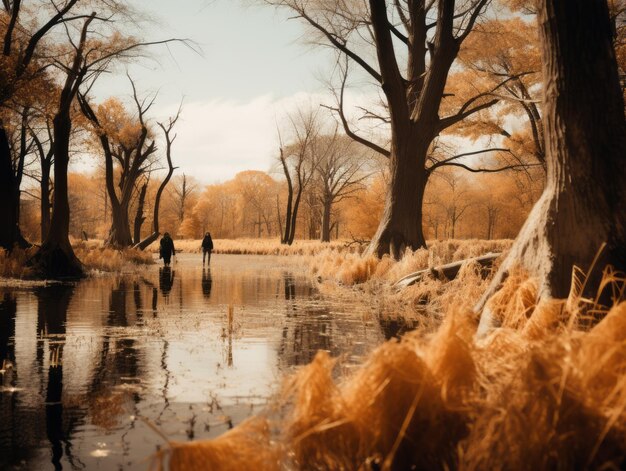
x=193, y=351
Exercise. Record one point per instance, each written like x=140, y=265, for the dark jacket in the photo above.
x=167, y=248
x=207, y=243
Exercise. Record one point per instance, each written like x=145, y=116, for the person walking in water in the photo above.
x=207, y=247
x=167, y=249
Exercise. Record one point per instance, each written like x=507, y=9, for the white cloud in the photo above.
x=219, y=138
x=216, y=139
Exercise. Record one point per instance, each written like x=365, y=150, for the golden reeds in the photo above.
x=537, y=393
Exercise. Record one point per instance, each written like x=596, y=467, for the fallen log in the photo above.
x=448, y=271
x=147, y=241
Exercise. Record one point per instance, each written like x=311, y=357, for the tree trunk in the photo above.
x=294, y=217
x=44, y=186
x=10, y=234
x=401, y=223
x=139, y=217
x=326, y=220
x=119, y=234
x=56, y=258
x=584, y=202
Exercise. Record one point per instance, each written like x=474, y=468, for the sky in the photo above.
x=253, y=67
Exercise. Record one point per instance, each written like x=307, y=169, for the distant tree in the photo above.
x=584, y=203
x=257, y=192
x=184, y=188
x=340, y=173
x=297, y=161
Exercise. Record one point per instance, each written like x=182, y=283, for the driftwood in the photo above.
x=448, y=271
x=147, y=241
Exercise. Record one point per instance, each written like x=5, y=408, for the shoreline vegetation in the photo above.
x=93, y=254
x=540, y=390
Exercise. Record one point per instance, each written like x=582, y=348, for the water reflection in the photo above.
x=166, y=280
x=207, y=282
x=193, y=350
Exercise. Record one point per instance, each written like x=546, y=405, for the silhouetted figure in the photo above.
x=167, y=249
x=207, y=247
x=166, y=279
x=207, y=282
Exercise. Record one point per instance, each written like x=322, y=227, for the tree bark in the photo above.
x=44, y=186
x=401, y=223
x=10, y=234
x=584, y=202
x=326, y=220
x=119, y=234
x=139, y=217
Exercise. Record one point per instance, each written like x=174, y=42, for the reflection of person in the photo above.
x=207, y=247
x=167, y=249
x=166, y=280
x=207, y=282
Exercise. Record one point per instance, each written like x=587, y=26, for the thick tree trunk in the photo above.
x=56, y=258
x=584, y=203
x=401, y=223
x=10, y=234
x=119, y=234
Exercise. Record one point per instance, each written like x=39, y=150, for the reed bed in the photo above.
x=263, y=247
x=354, y=268
x=539, y=393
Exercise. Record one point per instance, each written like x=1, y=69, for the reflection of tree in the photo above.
x=8, y=307
x=308, y=329
x=52, y=304
x=9, y=451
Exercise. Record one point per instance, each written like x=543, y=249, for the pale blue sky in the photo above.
x=248, y=50
x=254, y=65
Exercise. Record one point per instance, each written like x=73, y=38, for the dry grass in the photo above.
x=93, y=254
x=261, y=247
x=96, y=256
x=350, y=269
x=366, y=275
x=539, y=393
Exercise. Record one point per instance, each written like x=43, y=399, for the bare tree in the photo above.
x=167, y=129
x=298, y=164
x=340, y=172
x=132, y=157
x=184, y=188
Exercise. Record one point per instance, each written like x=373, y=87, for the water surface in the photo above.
x=85, y=365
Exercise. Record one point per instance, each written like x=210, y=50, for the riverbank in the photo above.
x=94, y=255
